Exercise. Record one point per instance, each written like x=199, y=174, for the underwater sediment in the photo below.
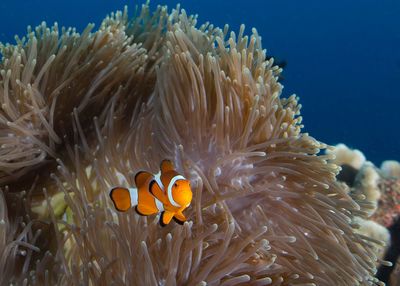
x=82, y=113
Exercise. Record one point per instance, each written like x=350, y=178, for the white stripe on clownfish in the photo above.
x=133, y=193
x=157, y=177
x=169, y=190
x=159, y=205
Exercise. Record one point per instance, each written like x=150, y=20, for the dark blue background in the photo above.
x=343, y=56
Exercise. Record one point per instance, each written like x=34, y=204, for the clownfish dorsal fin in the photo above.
x=166, y=166
x=141, y=178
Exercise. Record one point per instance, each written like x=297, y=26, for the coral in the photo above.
x=388, y=214
x=391, y=169
x=367, y=184
x=91, y=110
x=376, y=231
x=363, y=182
x=346, y=156
x=389, y=203
x=377, y=191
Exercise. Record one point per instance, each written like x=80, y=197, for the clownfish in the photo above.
x=168, y=193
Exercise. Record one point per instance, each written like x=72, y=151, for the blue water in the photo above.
x=343, y=57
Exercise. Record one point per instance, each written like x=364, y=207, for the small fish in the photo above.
x=167, y=192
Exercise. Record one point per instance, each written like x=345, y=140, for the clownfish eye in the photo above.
x=175, y=185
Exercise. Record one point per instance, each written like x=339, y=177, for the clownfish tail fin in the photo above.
x=121, y=198
x=141, y=178
x=166, y=165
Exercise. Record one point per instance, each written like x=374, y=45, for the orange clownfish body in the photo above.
x=168, y=193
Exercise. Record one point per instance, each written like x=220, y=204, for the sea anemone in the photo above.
x=83, y=113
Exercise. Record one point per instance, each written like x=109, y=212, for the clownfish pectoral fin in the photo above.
x=179, y=217
x=166, y=165
x=166, y=217
x=141, y=178
x=121, y=198
x=157, y=192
